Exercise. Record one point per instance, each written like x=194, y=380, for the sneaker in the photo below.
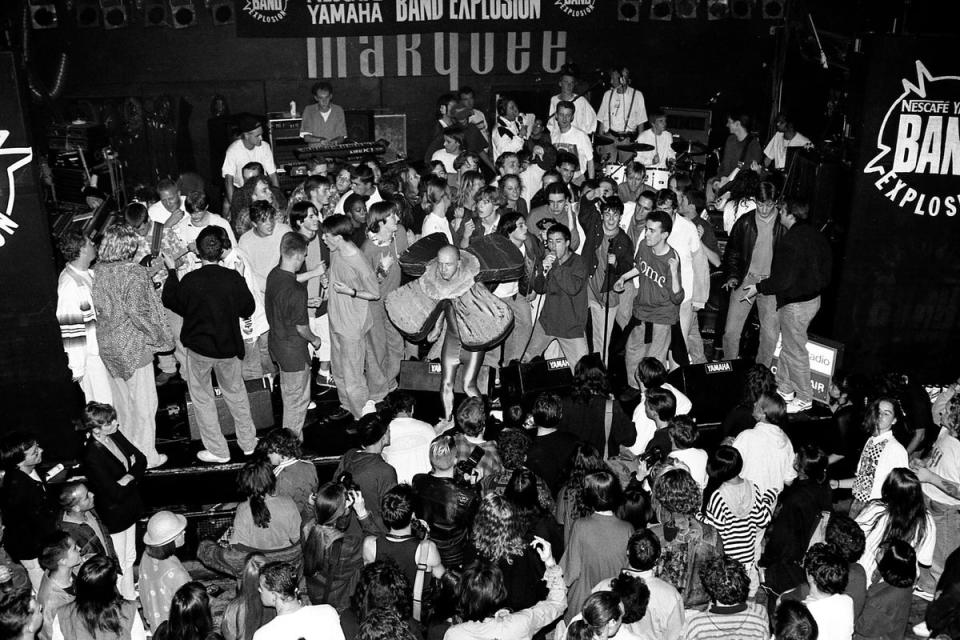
x=163, y=378
x=339, y=414
x=921, y=629
x=787, y=396
x=311, y=406
x=161, y=460
x=797, y=405
x=206, y=456
x=923, y=595
x=249, y=452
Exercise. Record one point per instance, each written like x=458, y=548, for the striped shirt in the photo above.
x=740, y=534
x=735, y=622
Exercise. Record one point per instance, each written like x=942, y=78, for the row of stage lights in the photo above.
x=630, y=10
x=117, y=14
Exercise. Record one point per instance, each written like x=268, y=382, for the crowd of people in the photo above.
x=565, y=516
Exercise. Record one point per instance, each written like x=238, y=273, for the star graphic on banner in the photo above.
x=11, y=159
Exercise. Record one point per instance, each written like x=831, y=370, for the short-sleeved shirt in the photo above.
x=286, y=306
x=945, y=462
x=332, y=124
x=351, y=316
x=263, y=251
x=238, y=155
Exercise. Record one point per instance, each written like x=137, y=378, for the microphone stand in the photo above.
x=606, y=312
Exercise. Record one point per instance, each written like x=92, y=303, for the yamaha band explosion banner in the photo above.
x=899, y=303
x=315, y=18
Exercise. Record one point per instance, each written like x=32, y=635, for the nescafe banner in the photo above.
x=315, y=18
x=900, y=284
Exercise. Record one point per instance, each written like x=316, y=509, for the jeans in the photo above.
x=947, y=520
x=793, y=368
x=356, y=371
x=256, y=358
x=295, y=392
x=637, y=349
x=695, y=341
x=230, y=381
x=737, y=314
x=136, y=403
x=573, y=348
x=597, y=312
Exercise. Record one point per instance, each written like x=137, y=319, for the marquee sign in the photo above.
x=315, y=18
x=919, y=146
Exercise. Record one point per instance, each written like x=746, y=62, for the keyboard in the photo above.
x=348, y=150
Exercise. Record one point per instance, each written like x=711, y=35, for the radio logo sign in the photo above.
x=576, y=8
x=919, y=146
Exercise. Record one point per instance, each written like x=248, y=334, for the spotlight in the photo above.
x=717, y=9
x=43, y=14
x=221, y=11
x=114, y=14
x=741, y=9
x=184, y=14
x=88, y=14
x=628, y=10
x=685, y=9
x=156, y=13
x=661, y=10
x=773, y=9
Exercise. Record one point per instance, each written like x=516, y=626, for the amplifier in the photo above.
x=261, y=409
x=283, y=128
x=69, y=136
x=692, y=124
x=517, y=381
x=714, y=388
x=420, y=375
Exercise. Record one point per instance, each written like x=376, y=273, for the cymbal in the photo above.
x=635, y=146
x=601, y=140
x=689, y=147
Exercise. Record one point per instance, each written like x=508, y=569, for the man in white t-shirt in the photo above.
x=660, y=139
x=249, y=147
x=585, y=118
x=827, y=575
x=651, y=374
x=171, y=203
x=262, y=242
x=199, y=217
x=568, y=137
x=940, y=475
x=786, y=136
x=278, y=590
x=621, y=115
x=409, y=448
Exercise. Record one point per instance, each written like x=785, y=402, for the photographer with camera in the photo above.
x=446, y=501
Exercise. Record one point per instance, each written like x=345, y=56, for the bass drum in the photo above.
x=657, y=178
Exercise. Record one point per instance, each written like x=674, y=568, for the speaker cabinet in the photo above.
x=261, y=409
x=714, y=388
x=420, y=375
x=517, y=382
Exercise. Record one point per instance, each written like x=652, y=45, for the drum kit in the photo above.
x=687, y=151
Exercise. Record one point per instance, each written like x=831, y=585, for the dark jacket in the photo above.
x=535, y=253
x=448, y=507
x=564, y=313
x=620, y=245
x=886, y=613
x=212, y=300
x=29, y=514
x=801, y=266
x=743, y=238
x=788, y=536
x=118, y=506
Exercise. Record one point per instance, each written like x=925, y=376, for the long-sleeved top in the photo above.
x=768, y=456
x=158, y=582
x=738, y=253
x=521, y=625
x=212, y=300
x=118, y=506
x=620, y=244
x=29, y=514
x=746, y=621
x=282, y=531
x=801, y=266
x=564, y=313
x=77, y=317
x=372, y=474
x=597, y=549
x=131, y=325
x=885, y=613
x=740, y=512
x=665, y=614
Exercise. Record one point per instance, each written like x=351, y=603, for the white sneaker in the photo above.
x=206, y=456
x=252, y=449
x=311, y=406
x=161, y=460
x=923, y=595
x=797, y=405
x=787, y=396
x=921, y=630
